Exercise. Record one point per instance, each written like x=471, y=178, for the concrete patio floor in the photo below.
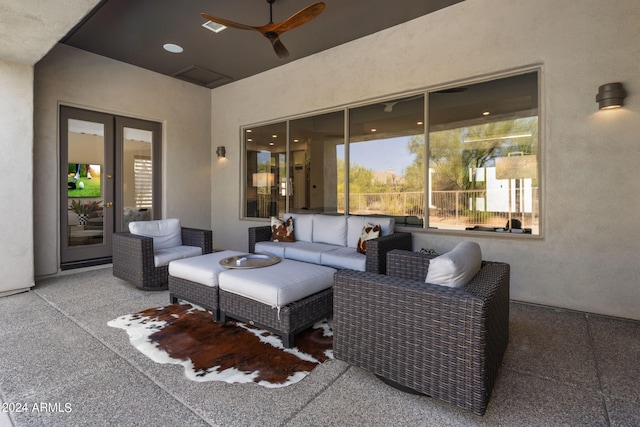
x=561, y=368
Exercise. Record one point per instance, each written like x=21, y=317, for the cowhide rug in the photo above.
x=232, y=352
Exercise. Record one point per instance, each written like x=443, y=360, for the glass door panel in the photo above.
x=137, y=170
x=109, y=176
x=86, y=185
x=138, y=179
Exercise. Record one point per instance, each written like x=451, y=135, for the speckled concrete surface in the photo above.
x=63, y=366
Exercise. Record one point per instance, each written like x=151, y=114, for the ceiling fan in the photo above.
x=272, y=31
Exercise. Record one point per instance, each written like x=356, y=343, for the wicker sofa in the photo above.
x=444, y=342
x=138, y=261
x=331, y=240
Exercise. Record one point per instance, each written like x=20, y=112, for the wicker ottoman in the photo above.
x=196, y=280
x=285, y=298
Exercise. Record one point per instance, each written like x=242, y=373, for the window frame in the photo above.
x=425, y=92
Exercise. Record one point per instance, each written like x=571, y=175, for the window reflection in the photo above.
x=137, y=175
x=483, y=142
x=386, y=160
x=265, y=170
x=315, y=171
x=469, y=163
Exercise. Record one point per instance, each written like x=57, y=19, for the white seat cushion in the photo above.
x=273, y=248
x=166, y=233
x=457, y=267
x=163, y=257
x=344, y=258
x=330, y=229
x=201, y=269
x=307, y=252
x=279, y=284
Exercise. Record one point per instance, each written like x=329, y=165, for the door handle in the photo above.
x=108, y=204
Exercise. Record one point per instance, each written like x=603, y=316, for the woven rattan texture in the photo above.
x=197, y=237
x=287, y=321
x=444, y=342
x=133, y=257
x=196, y=293
x=258, y=234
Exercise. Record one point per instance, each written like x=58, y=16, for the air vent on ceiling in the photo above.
x=202, y=76
x=213, y=26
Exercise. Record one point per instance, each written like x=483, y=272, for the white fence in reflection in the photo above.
x=456, y=208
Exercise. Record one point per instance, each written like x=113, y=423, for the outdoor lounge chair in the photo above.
x=141, y=256
x=440, y=341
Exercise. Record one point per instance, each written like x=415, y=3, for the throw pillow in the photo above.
x=282, y=231
x=368, y=232
x=457, y=267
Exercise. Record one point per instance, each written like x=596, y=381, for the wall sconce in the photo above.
x=610, y=96
x=221, y=152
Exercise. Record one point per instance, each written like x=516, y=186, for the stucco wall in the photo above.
x=586, y=259
x=16, y=144
x=74, y=77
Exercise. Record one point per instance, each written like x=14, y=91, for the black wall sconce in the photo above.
x=221, y=152
x=610, y=96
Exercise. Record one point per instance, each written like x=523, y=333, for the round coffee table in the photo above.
x=249, y=261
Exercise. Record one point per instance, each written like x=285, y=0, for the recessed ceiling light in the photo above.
x=249, y=130
x=271, y=143
x=486, y=113
x=214, y=26
x=420, y=123
x=374, y=130
x=173, y=48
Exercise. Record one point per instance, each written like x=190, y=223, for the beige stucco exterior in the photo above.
x=586, y=257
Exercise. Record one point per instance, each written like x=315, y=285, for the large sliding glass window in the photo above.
x=265, y=170
x=386, y=159
x=469, y=163
x=316, y=173
x=483, y=152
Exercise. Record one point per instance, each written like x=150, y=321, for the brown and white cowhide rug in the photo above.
x=232, y=352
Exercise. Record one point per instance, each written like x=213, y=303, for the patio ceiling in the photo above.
x=135, y=31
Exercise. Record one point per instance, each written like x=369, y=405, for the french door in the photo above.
x=109, y=177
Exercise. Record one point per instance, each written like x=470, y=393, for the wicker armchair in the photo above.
x=133, y=257
x=443, y=342
x=376, y=248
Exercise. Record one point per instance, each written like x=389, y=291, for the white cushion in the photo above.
x=201, y=269
x=355, y=224
x=307, y=252
x=165, y=256
x=279, y=284
x=302, y=226
x=166, y=233
x=273, y=248
x=457, y=267
x=344, y=257
x=330, y=229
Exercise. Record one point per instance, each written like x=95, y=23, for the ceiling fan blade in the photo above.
x=301, y=17
x=228, y=23
x=281, y=51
